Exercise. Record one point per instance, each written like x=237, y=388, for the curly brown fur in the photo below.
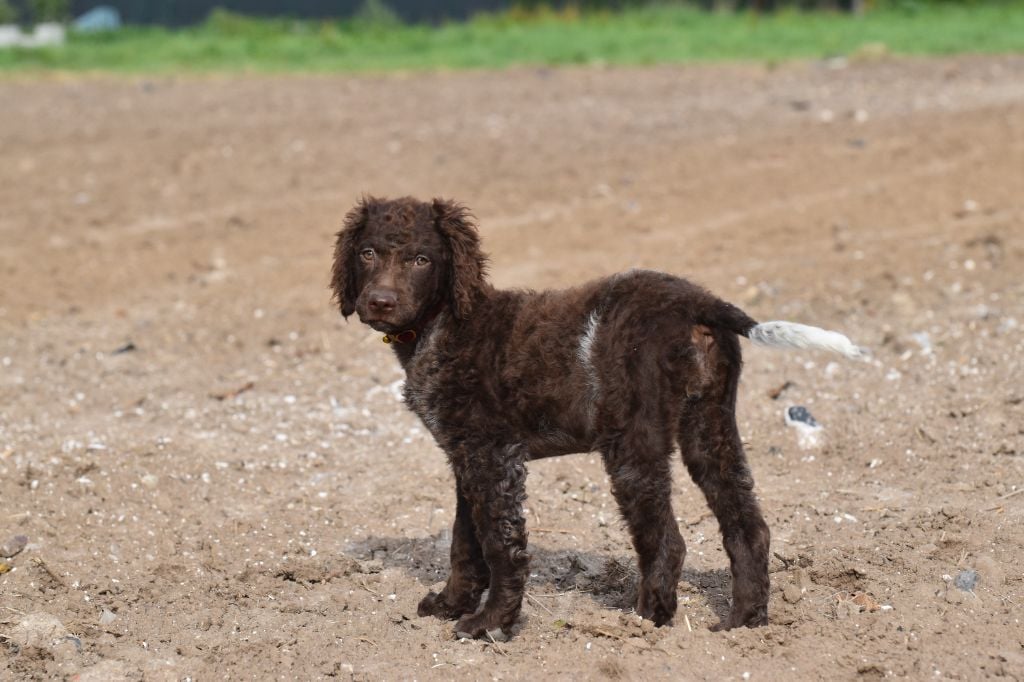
x=631, y=366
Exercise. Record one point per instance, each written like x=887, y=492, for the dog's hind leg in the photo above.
x=713, y=454
x=639, y=464
x=469, y=573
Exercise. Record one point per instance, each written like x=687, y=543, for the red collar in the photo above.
x=410, y=335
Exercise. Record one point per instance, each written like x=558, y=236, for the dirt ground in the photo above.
x=214, y=475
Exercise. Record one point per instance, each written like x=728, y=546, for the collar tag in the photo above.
x=408, y=336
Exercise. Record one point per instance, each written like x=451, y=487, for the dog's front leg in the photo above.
x=469, y=573
x=494, y=483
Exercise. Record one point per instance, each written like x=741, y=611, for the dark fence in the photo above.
x=184, y=12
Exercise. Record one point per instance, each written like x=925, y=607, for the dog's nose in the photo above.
x=382, y=301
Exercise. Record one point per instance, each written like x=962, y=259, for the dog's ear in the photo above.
x=343, y=274
x=468, y=266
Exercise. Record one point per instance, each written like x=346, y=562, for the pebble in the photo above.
x=13, y=546
x=792, y=594
x=498, y=635
x=800, y=414
x=107, y=617
x=966, y=580
x=808, y=429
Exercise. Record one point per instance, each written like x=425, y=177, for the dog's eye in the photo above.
x=366, y=255
x=421, y=261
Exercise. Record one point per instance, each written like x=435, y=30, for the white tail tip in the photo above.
x=780, y=334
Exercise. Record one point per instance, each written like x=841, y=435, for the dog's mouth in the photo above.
x=384, y=325
x=379, y=325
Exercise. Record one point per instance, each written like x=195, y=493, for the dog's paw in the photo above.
x=754, y=618
x=435, y=604
x=480, y=625
x=658, y=607
x=441, y=606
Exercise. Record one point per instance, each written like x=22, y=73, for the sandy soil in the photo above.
x=216, y=479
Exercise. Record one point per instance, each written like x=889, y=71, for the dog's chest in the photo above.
x=425, y=376
x=421, y=397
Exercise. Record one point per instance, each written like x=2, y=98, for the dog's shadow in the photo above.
x=611, y=581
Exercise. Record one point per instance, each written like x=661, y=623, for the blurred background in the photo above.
x=387, y=34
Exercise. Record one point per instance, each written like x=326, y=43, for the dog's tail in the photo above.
x=781, y=334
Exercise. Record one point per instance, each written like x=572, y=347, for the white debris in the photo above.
x=809, y=431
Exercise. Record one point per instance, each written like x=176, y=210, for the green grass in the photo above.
x=641, y=36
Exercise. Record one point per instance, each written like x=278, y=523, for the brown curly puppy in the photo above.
x=628, y=366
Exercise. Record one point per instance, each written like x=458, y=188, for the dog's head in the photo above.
x=396, y=261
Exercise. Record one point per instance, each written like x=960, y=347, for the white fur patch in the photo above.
x=781, y=334
x=585, y=354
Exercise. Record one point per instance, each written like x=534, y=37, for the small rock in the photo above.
x=13, y=546
x=107, y=617
x=498, y=635
x=792, y=593
x=800, y=414
x=865, y=601
x=966, y=580
x=150, y=481
x=809, y=431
